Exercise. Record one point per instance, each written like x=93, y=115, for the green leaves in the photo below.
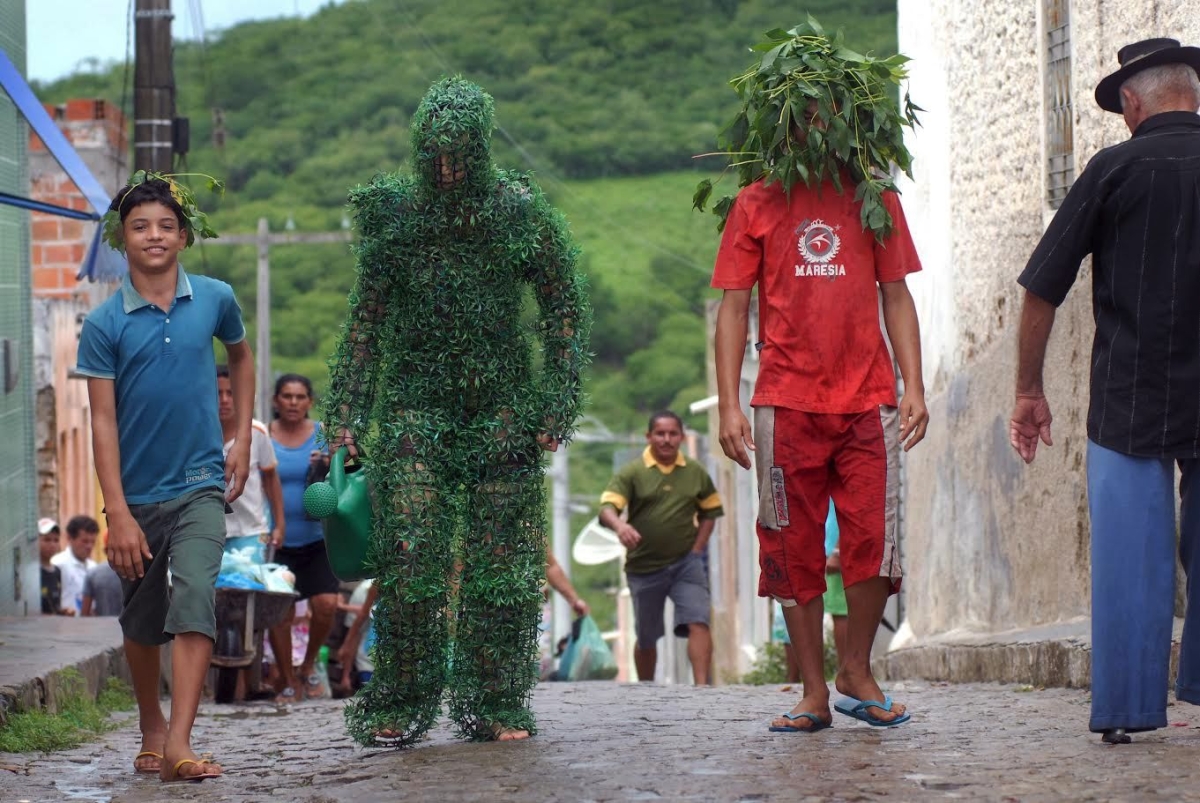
x=703, y=191
x=195, y=221
x=814, y=110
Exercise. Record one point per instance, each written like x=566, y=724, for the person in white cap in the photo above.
x=49, y=536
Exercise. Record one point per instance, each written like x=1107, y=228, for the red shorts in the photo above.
x=804, y=460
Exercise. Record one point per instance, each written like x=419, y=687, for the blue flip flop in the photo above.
x=858, y=710
x=817, y=724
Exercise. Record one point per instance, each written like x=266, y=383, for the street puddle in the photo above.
x=88, y=793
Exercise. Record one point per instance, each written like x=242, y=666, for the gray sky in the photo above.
x=62, y=34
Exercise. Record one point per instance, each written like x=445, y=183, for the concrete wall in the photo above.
x=992, y=545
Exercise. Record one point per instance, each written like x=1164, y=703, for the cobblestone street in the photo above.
x=605, y=742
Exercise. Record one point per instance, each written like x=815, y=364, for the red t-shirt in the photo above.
x=822, y=344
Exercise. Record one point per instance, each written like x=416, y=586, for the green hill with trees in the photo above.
x=607, y=103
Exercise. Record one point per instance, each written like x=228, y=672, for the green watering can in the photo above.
x=343, y=503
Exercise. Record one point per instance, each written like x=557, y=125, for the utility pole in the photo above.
x=154, y=88
x=263, y=240
x=262, y=316
x=560, y=535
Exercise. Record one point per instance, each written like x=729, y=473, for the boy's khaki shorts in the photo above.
x=186, y=535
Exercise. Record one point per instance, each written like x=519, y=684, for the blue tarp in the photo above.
x=101, y=262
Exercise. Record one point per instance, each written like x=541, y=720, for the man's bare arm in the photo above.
x=241, y=377
x=904, y=331
x=1031, y=415
x=733, y=319
x=1037, y=321
x=273, y=489
x=126, y=542
x=556, y=576
x=626, y=532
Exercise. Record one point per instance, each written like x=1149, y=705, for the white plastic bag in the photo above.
x=277, y=577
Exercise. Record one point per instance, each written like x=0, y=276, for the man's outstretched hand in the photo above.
x=1030, y=423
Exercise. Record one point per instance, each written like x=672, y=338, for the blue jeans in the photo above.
x=1132, y=506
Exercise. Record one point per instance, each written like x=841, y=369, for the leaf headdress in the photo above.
x=857, y=130
x=196, y=222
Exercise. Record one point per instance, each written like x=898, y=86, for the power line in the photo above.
x=125, y=77
x=196, y=8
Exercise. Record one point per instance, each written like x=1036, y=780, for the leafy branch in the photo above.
x=196, y=222
x=813, y=110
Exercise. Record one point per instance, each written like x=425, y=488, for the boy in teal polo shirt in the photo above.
x=147, y=353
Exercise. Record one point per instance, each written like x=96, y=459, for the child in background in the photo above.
x=355, y=654
x=49, y=536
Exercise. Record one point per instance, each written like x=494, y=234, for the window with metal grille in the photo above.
x=1060, y=131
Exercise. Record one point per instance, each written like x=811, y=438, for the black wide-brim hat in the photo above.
x=1142, y=56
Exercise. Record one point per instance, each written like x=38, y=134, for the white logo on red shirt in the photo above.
x=818, y=242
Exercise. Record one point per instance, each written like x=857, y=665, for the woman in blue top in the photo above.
x=299, y=449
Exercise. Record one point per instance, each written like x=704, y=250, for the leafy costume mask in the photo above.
x=841, y=102
x=435, y=377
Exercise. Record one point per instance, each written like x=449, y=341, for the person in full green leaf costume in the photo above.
x=436, y=377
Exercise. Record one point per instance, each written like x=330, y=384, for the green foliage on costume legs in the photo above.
x=403, y=698
x=410, y=554
x=499, y=607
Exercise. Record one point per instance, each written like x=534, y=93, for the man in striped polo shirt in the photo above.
x=673, y=506
x=1136, y=209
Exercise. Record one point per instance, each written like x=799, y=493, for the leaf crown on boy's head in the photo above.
x=812, y=110
x=147, y=186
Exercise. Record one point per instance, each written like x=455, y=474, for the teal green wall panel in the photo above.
x=19, y=578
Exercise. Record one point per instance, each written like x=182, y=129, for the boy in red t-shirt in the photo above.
x=826, y=420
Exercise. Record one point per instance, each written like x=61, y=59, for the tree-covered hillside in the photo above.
x=623, y=87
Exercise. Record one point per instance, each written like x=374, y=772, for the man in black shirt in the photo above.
x=1136, y=210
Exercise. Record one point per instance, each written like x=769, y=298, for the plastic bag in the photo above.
x=239, y=561
x=277, y=577
x=238, y=580
x=587, y=656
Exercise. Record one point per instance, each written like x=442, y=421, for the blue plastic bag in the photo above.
x=587, y=655
x=238, y=580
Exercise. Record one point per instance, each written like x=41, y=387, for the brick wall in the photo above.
x=66, y=483
x=97, y=130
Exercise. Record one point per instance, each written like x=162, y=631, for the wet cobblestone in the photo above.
x=607, y=742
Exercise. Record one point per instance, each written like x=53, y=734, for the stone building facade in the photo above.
x=994, y=548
